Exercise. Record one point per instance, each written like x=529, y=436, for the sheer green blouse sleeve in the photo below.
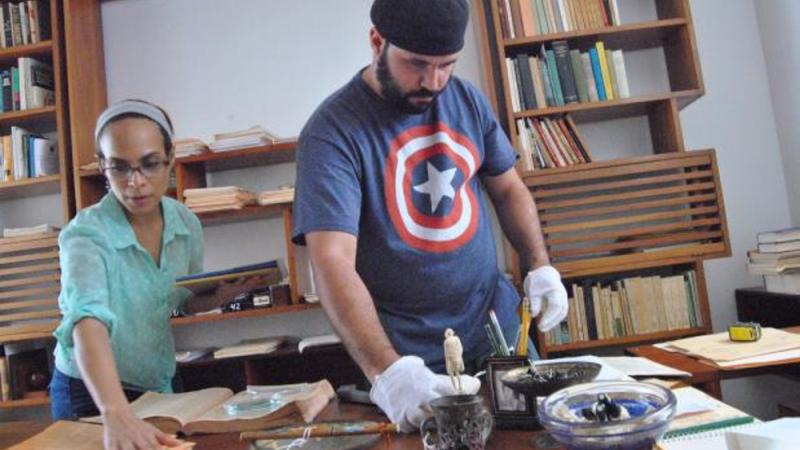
x=85, y=261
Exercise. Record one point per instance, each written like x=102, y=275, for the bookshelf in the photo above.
x=29, y=267
x=621, y=215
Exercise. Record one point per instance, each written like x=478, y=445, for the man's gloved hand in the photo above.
x=404, y=389
x=543, y=284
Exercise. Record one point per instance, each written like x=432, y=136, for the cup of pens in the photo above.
x=459, y=422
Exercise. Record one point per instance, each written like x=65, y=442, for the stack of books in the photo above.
x=35, y=230
x=629, y=306
x=523, y=18
x=777, y=259
x=548, y=143
x=189, y=146
x=218, y=199
x=272, y=197
x=560, y=76
x=252, y=137
x=250, y=347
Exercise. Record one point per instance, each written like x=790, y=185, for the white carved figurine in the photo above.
x=453, y=360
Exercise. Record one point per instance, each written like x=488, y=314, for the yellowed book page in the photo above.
x=67, y=435
x=183, y=407
x=718, y=347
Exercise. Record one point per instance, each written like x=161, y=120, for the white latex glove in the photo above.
x=544, y=284
x=404, y=389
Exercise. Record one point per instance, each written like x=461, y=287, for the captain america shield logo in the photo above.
x=428, y=193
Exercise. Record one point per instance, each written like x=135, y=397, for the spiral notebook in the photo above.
x=705, y=440
x=701, y=422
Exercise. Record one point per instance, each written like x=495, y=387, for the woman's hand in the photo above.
x=124, y=431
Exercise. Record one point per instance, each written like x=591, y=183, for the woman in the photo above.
x=119, y=261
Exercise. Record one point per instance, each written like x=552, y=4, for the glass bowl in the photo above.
x=651, y=408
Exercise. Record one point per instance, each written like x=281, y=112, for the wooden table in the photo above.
x=507, y=439
x=706, y=376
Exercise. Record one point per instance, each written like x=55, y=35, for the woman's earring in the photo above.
x=108, y=186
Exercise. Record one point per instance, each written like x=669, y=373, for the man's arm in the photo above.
x=517, y=214
x=347, y=301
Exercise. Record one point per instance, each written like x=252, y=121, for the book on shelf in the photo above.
x=783, y=235
x=275, y=196
x=184, y=356
x=234, y=140
x=780, y=247
x=628, y=306
x=189, y=147
x=219, y=410
x=549, y=142
x=527, y=18
x=5, y=385
x=33, y=231
x=204, y=282
x=324, y=340
x=26, y=155
x=701, y=422
x=561, y=76
x=224, y=198
x=37, y=87
x=247, y=347
x=70, y=435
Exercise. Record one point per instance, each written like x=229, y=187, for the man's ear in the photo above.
x=376, y=42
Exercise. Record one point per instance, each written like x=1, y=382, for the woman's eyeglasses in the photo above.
x=120, y=171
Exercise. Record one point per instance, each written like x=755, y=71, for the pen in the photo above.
x=498, y=332
x=322, y=430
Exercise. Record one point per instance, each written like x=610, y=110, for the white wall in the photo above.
x=736, y=117
x=777, y=21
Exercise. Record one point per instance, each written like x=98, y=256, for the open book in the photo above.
x=218, y=410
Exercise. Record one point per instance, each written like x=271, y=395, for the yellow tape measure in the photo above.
x=744, y=332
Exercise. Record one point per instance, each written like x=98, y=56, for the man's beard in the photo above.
x=392, y=93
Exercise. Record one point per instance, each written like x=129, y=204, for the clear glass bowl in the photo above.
x=651, y=409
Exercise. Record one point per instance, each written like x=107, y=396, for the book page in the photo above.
x=259, y=401
x=636, y=366
x=697, y=409
x=183, y=407
x=70, y=435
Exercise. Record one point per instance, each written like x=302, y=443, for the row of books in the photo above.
x=24, y=23
x=234, y=197
x=26, y=155
x=33, y=232
x=27, y=85
x=523, y=18
x=560, y=76
x=548, y=143
x=259, y=346
x=629, y=306
x=777, y=259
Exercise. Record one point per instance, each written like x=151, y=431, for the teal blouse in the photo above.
x=108, y=276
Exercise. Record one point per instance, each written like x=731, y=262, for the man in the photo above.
x=391, y=171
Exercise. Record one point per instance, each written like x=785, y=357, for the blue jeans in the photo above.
x=70, y=399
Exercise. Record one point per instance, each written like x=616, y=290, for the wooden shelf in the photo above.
x=257, y=312
x=634, y=36
x=29, y=116
x=614, y=109
x=9, y=55
x=30, y=187
x=25, y=403
x=252, y=212
x=627, y=340
x=283, y=152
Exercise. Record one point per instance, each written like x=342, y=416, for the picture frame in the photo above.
x=509, y=409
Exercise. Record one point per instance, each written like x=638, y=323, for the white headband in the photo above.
x=131, y=107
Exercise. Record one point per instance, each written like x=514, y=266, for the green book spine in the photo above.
x=555, y=81
x=580, y=80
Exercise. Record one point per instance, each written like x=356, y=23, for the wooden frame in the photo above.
x=508, y=408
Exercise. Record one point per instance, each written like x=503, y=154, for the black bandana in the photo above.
x=427, y=27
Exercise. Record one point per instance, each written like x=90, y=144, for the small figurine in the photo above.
x=605, y=410
x=453, y=359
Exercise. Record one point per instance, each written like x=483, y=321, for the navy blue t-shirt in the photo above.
x=407, y=185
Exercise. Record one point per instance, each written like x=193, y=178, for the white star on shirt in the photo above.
x=438, y=185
